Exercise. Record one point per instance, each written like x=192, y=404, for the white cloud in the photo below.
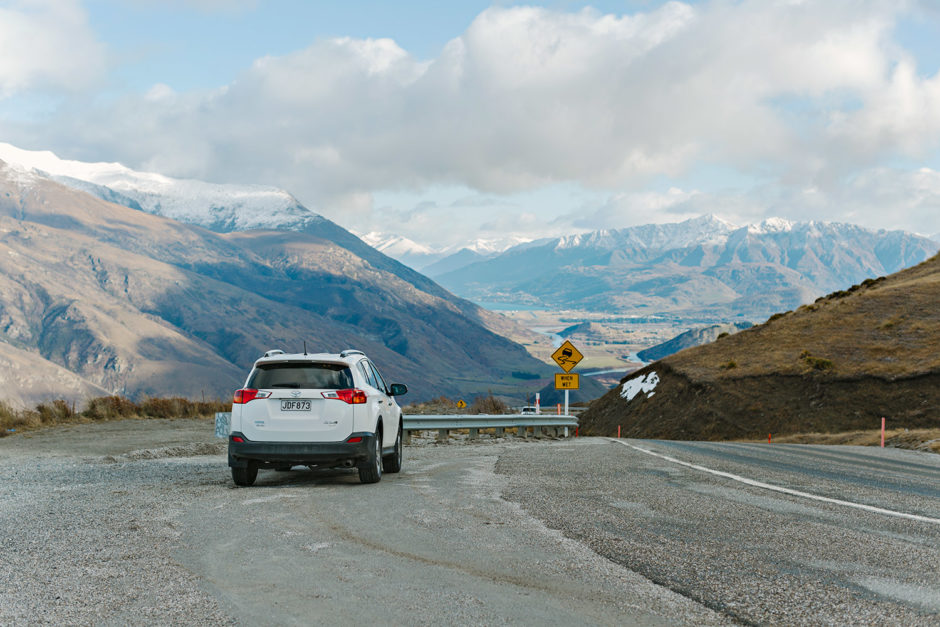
x=47, y=45
x=803, y=95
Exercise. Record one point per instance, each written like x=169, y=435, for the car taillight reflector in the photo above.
x=352, y=397
x=245, y=395
x=355, y=440
x=237, y=439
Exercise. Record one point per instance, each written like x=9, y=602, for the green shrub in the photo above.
x=820, y=363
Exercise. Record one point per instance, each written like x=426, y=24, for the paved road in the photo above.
x=755, y=555
x=139, y=521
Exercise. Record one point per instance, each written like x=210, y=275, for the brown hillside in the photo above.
x=840, y=363
x=140, y=305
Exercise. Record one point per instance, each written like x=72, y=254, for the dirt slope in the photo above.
x=841, y=363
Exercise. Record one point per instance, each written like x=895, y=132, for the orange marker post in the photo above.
x=768, y=438
x=882, y=432
x=618, y=431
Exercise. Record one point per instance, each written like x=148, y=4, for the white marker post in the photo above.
x=566, y=402
x=538, y=409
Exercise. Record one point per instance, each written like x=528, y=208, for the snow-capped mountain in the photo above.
x=700, y=265
x=708, y=229
x=218, y=207
x=99, y=298
x=429, y=260
x=408, y=252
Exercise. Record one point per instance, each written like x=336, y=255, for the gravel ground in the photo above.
x=86, y=540
x=138, y=522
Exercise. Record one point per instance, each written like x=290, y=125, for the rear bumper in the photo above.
x=325, y=454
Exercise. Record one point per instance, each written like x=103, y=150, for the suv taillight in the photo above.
x=352, y=397
x=248, y=394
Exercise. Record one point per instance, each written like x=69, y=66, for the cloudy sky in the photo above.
x=450, y=121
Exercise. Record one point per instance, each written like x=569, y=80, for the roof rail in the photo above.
x=351, y=351
x=272, y=353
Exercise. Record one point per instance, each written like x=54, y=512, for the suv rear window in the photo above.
x=301, y=375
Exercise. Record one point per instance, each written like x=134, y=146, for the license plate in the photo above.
x=295, y=405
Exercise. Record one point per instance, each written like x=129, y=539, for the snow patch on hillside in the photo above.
x=23, y=177
x=647, y=383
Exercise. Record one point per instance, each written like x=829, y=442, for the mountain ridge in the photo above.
x=700, y=266
x=141, y=304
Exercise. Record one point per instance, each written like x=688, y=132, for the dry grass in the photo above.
x=915, y=439
x=59, y=412
x=442, y=405
x=887, y=327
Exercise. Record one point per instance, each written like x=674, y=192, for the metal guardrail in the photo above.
x=418, y=422
x=443, y=423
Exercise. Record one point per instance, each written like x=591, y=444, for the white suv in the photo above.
x=322, y=410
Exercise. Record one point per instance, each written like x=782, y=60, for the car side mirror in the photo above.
x=397, y=389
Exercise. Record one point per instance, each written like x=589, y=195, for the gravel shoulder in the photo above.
x=138, y=521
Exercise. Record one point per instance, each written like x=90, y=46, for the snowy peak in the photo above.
x=704, y=229
x=421, y=257
x=220, y=207
x=771, y=225
x=395, y=245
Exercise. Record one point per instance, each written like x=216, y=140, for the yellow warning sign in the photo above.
x=461, y=403
x=567, y=356
x=567, y=381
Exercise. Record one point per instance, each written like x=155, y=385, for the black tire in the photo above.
x=246, y=476
x=392, y=463
x=370, y=471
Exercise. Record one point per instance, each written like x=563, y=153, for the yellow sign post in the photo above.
x=567, y=356
x=567, y=381
x=461, y=404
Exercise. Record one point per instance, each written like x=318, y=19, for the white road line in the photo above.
x=767, y=486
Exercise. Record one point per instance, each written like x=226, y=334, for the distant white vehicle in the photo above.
x=529, y=410
x=317, y=410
